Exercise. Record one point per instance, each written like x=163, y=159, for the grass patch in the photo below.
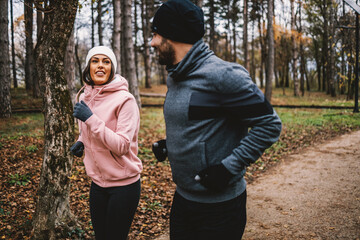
x=22, y=124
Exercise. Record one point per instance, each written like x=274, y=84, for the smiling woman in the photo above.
x=109, y=122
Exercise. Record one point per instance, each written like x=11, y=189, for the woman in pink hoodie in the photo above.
x=109, y=122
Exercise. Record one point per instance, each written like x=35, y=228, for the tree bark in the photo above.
x=5, y=81
x=145, y=13
x=270, y=57
x=13, y=46
x=29, y=57
x=116, y=36
x=69, y=64
x=99, y=22
x=294, y=50
x=92, y=25
x=128, y=52
x=245, y=32
x=53, y=218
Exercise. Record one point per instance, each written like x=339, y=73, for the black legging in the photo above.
x=112, y=210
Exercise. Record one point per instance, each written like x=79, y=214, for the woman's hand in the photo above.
x=82, y=111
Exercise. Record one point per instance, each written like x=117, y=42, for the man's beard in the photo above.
x=166, y=53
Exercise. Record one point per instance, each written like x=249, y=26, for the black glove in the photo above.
x=77, y=149
x=82, y=111
x=159, y=149
x=214, y=178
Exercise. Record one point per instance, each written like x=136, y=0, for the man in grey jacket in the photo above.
x=218, y=122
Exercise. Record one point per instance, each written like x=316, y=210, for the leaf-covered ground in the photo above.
x=22, y=148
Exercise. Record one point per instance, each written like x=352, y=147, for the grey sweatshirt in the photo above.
x=214, y=114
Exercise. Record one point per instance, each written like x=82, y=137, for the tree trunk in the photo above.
x=325, y=52
x=29, y=58
x=302, y=55
x=116, y=37
x=92, y=25
x=5, y=81
x=69, y=65
x=212, y=25
x=78, y=63
x=234, y=29
x=270, y=57
x=128, y=52
x=13, y=46
x=331, y=71
x=245, y=29
x=99, y=21
x=53, y=218
x=294, y=50
x=253, y=67
x=145, y=13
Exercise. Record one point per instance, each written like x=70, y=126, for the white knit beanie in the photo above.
x=102, y=50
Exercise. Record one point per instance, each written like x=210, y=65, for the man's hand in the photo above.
x=82, y=111
x=214, y=178
x=77, y=149
x=159, y=149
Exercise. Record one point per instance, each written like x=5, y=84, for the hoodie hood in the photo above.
x=191, y=62
x=119, y=83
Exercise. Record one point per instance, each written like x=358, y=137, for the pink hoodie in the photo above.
x=110, y=135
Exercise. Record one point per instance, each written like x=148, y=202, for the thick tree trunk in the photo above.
x=5, y=81
x=53, y=218
x=270, y=58
x=128, y=51
x=116, y=37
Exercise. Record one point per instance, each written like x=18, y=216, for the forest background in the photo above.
x=289, y=47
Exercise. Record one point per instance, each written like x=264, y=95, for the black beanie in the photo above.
x=179, y=20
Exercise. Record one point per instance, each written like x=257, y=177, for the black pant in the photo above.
x=112, y=210
x=192, y=220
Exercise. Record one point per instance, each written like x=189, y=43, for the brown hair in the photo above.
x=87, y=78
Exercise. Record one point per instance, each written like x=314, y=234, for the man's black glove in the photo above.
x=82, y=111
x=159, y=149
x=77, y=149
x=214, y=178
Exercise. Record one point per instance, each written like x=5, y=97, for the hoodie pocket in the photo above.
x=109, y=165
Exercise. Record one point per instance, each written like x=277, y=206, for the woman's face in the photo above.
x=100, y=69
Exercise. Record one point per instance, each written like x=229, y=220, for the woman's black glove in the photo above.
x=159, y=149
x=77, y=149
x=214, y=178
x=82, y=111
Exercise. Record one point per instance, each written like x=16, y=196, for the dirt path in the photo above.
x=312, y=195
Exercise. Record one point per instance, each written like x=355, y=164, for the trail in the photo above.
x=311, y=195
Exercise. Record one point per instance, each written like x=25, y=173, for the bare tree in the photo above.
x=245, y=35
x=146, y=12
x=13, y=46
x=53, y=218
x=99, y=21
x=5, y=97
x=29, y=57
x=116, y=36
x=294, y=50
x=270, y=57
x=128, y=50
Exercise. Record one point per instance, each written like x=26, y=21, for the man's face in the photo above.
x=165, y=49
